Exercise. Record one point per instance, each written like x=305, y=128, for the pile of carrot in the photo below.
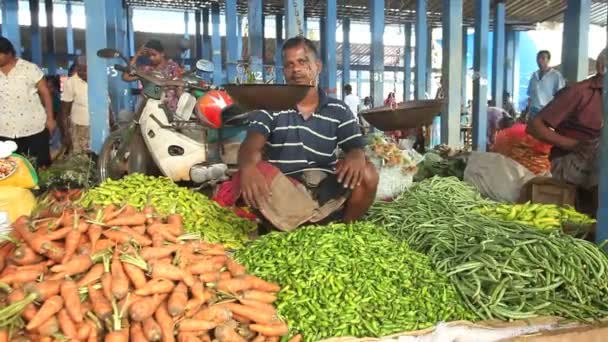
x=118, y=274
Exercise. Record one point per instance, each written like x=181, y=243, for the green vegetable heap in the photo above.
x=351, y=280
x=200, y=214
x=502, y=269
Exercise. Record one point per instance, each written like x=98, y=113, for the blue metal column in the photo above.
x=231, y=40
x=452, y=71
x=377, y=52
x=510, y=49
x=346, y=53
x=323, y=51
x=516, y=68
x=575, y=62
x=69, y=31
x=256, y=38
x=198, y=37
x=131, y=32
x=50, y=39
x=206, y=36
x=498, y=58
x=96, y=37
x=10, y=24
x=117, y=38
x=465, y=50
x=35, y=39
x=359, y=84
x=216, y=43
x=602, y=211
x=239, y=37
x=429, y=62
x=407, y=63
x=480, y=76
x=186, y=52
x=421, y=50
x=331, y=23
x=278, y=56
x=294, y=18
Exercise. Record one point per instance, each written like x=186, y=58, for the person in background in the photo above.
x=390, y=100
x=75, y=109
x=352, y=101
x=54, y=86
x=26, y=106
x=154, y=51
x=495, y=116
x=544, y=84
x=507, y=104
x=572, y=122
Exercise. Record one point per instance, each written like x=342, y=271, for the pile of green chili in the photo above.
x=351, y=280
x=501, y=269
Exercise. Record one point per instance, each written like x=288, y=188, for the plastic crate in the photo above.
x=548, y=191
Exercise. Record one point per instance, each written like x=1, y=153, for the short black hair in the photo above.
x=299, y=41
x=348, y=88
x=7, y=47
x=544, y=52
x=155, y=44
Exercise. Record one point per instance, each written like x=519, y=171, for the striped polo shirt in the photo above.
x=294, y=144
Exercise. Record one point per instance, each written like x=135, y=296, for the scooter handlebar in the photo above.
x=121, y=67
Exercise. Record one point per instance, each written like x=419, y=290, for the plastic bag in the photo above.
x=23, y=174
x=16, y=202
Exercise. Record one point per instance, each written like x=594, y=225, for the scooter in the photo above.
x=176, y=144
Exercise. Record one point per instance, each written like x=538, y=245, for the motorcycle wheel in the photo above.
x=109, y=166
x=140, y=160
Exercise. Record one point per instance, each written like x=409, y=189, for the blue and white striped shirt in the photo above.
x=294, y=144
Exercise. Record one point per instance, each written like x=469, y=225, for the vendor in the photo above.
x=572, y=123
x=302, y=142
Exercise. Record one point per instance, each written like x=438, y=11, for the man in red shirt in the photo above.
x=572, y=122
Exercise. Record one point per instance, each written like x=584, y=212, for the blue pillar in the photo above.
x=96, y=38
x=602, y=212
x=131, y=32
x=186, y=53
x=231, y=40
x=429, y=62
x=516, y=68
x=509, y=50
x=421, y=50
x=465, y=50
x=452, y=71
x=198, y=37
x=294, y=18
x=407, y=63
x=323, y=51
x=575, y=62
x=256, y=38
x=480, y=74
x=206, y=36
x=359, y=92
x=278, y=56
x=35, y=39
x=239, y=37
x=116, y=16
x=50, y=38
x=10, y=24
x=377, y=51
x=346, y=53
x=331, y=23
x=216, y=43
x=498, y=58
x=69, y=30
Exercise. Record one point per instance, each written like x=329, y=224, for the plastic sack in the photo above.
x=23, y=176
x=518, y=145
x=16, y=202
x=496, y=176
x=393, y=181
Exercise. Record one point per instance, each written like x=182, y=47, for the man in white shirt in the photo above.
x=26, y=106
x=352, y=101
x=544, y=84
x=75, y=109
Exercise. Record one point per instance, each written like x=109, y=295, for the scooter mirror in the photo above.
x=108, y=53
x=204, y=65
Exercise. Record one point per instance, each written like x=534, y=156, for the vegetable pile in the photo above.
x=542, y=216
x=201, y=215
x=77, y=171
x=351, y=280
x=502, y=269
x=123, y=274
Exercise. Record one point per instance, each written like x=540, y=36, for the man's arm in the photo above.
x=47, y=102
x=350, y=170
x=132, y=63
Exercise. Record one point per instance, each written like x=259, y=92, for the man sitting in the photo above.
x=302, y=143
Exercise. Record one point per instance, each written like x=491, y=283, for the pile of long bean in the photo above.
x=201, y=215
x=501, y=269
x=351, y=280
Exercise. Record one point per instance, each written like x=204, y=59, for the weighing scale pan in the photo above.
x=272, y=97
x=411, y=114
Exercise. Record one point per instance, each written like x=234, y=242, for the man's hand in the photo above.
x=350, y=170
x=51, y=124
x=254, y=188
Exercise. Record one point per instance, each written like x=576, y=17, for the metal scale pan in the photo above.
x=411, y=114
x=272, y=97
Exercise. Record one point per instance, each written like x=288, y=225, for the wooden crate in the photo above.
x=548, y=191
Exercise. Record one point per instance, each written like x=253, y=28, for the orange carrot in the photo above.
x=3, y=335
x=21, y=276
x=92, y=276
x=137, y=333
x=263, y=307
x=188, y=337
x=151, y=329
x=103, y=244
x=270, y=330
x=140, y=229
x=235, y=268
x=48, y=309
x=209, y=277
x=260, y=296
x=205, y=337
x=101, y=306
x=259, y=338
x=77, y=264
x=24, y=255
x=165, y=321
x=122, y=237
x=172, y=229
x=94, y=334
x=215, y=313
x=155, y=286
x=49, y=327
x=84, y=330
x=43, y=290
x=142, y=239
x=145, y=307
x=241, y=319
x=204, y=267
x=196, y=325
x=225, y=275
x=94, y=233
x=66, y=324
x=109, y=212
x=250, y=313
x=296, y=338
x=136, y=275
x=157, y=240
x=176, y=220
x=178, y=300
x=71, y=244
x=57, y=234
x=135, y=219
x=148, y=253
x=106, y=285
x=120, y=283
x=226, y=333
x=117, y=336
x=259, y=284
x=234, y=285
x=168, y=271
